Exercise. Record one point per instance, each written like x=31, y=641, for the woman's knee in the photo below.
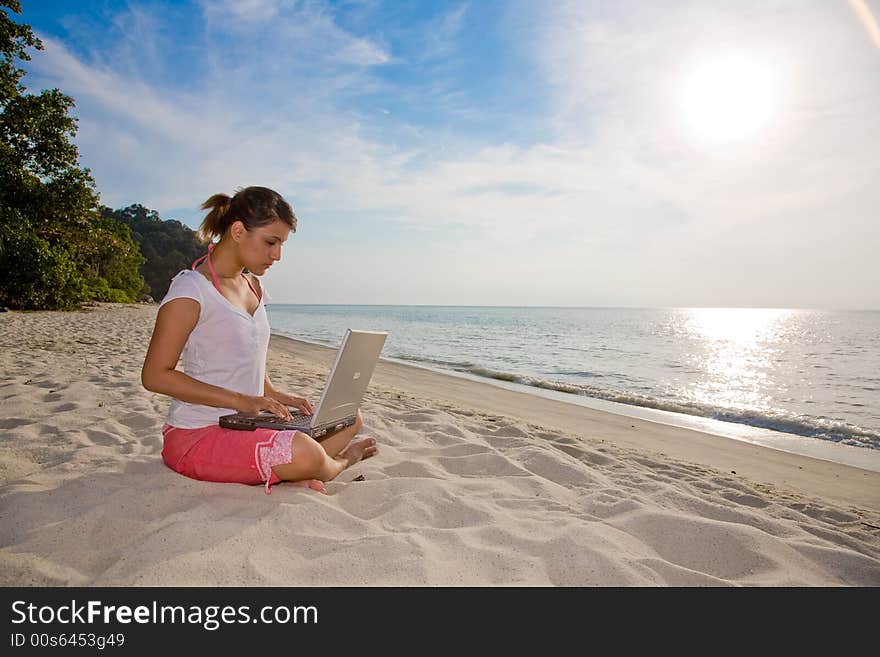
x=306, y=454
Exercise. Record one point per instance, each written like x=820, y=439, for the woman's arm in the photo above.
x=174, y=323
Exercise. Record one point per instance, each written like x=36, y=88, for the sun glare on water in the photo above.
x=735, y=350
x=728, y=99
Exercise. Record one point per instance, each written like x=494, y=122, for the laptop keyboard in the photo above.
x=300, y=420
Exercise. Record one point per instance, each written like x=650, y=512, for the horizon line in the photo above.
x=441, y=305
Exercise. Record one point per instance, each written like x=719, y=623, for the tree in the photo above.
x=167, y=246
x=55, y=251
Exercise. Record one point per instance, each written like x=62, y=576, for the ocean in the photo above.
x=811, y=373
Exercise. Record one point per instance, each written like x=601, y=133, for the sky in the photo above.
x=665, y=154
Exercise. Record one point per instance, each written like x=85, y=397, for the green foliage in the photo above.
x=14, y=40
x=99, y=290
x=112, y=258
x=49, y=277
x=56, y=249
x=167, y=246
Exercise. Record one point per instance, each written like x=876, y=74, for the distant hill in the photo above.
x=168, y=246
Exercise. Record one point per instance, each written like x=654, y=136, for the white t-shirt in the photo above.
x=227, y=348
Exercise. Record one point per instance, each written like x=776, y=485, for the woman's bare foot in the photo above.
x=359, y=450
x=314, y=484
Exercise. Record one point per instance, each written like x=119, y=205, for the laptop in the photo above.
x=355, y=361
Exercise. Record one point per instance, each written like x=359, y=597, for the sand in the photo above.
x=473, y=485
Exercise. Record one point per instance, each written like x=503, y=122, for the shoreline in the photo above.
x=865, y=458
x=759, y=462
x=828, y=449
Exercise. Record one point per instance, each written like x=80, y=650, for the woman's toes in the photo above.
x=370, y=447
x=314, y=484
x=359, y=449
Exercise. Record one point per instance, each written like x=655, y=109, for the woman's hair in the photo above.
x=253, y=206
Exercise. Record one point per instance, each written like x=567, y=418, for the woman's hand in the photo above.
x=300, y=403
x=252, y=404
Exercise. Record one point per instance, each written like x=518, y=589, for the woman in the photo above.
x=214, y=318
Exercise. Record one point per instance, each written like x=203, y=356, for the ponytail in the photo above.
x=217, y=220
x=253, y=206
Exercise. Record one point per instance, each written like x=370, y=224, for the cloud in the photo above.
x=226, y=129
x=441, y=34
x=613, y=193
x=288, y=31
x=232, y=12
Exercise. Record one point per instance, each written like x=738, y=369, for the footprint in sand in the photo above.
x=417, y=417
x=585, y=455
x=721, y=549
x=410, y=469
x=449, y=430
x=14, y=422
x=440, y=438
x=69, y=406
x=481, y=465
x=746, y=499
x=152, y=443
x=505, y=442
x=50, y=385
x=103, y=438
x=510, y=431
x=826, y=515
x=608, y=507
x=555, y=469
x=459, y=449
x=139, y=421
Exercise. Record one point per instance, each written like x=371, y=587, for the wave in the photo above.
x=838, y=431
x=809, y=426
x=446, y=364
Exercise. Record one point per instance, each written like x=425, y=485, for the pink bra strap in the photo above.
x=207, y=256
x=246, y=280
x=214, y=279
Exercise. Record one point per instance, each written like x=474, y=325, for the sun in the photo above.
x=728, y=99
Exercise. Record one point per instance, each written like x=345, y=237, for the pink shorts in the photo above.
x=215, y=453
